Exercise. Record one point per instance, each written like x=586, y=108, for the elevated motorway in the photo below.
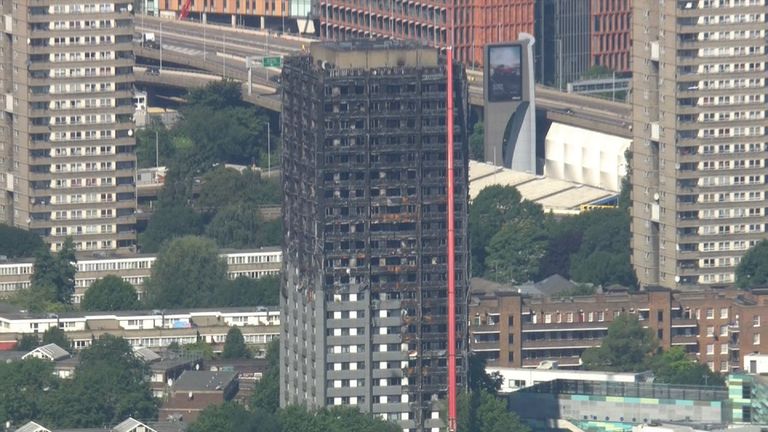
x=221, y=51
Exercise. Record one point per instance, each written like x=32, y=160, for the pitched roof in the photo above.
x=147, y=355
x=130, y=424
x=51, y=351
x=32, y=427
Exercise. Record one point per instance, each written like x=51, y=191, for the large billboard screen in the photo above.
x=505, y=73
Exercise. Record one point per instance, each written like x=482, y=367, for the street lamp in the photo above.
x=161, y=46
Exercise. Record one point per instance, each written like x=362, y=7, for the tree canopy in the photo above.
x=234, y=417
x=628, y=347
x=234, y=345
x=752, y=271
x=675, y=367
x=109, y=385
x=245, y=291
x=55, y=335
x=169, y=222
x=266, y=393
x=631, y=348
x=494, y=207
x=25, y=387
x=53, y=280
x=110, y=293
x=476, y=143
x=19, y=243
x=187, y=273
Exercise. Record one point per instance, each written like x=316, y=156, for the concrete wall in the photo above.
x=613, y=408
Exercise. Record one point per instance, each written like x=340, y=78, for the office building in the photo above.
x=718, y=327
x=66, y=137
x=563, y=37
x=610, y=25
x=476, y=23
x=699, y=145
x=364, y=306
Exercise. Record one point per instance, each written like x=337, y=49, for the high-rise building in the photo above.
x=562, y=41
x=66, y=135
x=699, y=144
x=475, y=24
x=364, y=302
x=610, y=22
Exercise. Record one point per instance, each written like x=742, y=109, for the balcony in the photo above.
x=484, y=346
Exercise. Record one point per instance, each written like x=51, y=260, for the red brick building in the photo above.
x=477, y=22
x=611, y=27
x=717, y=326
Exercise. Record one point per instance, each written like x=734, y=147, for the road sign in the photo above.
x=272, y=62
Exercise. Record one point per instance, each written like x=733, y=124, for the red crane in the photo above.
x=451, y=248
x=184, y=12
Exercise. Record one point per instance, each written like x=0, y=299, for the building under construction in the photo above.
x=364, y=300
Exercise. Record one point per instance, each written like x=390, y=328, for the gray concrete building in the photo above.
x=67, y=160
x=699, y=145
x=363, y=305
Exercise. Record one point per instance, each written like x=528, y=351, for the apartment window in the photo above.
x=710, y=313
x=711, y=349
x=724, y=330
x=756, y=339
x=724, y=349
x=756, y=321
x=723, y=366
x=723, y=313
x=710, y=331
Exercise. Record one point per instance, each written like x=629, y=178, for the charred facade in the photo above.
x=364, y=300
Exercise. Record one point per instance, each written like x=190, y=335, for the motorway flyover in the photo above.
x=220, y=51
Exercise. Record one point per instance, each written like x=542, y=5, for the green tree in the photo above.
x=603, y=257
x=482, y=411
x=148, y=151
x=476, y=143
x=216, y=95
x=245, y=291
x=202, y=348
x=19, y=243
x=625, y=196
x=266, y=392
x=234, y=417
x=234, y=345
x=335, y=419
x=628, y=347
x=493, y=207
x=752, y=270
x=223, y=187
x=27, y=342
x=237, y=226
x=110, y=293
x=109, y=385
x=55, y=335
x=514, y=253
x=675, y=367
x=167, y=223
x=53, y=278
x=187, y=273
x=25, y=387
x=478, y=379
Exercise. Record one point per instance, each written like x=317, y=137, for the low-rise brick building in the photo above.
x=717, y=326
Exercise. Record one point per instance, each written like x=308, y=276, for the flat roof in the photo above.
x=204, y=381
x=552, y=194
x=9, y=311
